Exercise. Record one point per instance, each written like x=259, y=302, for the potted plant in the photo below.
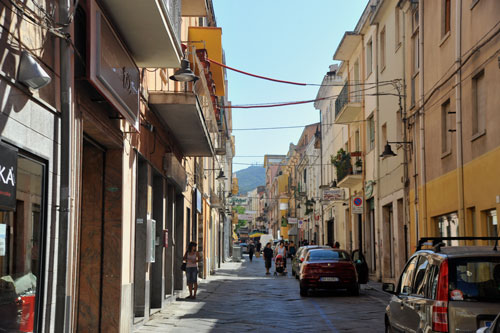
x=342, y=162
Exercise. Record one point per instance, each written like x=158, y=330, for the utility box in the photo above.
x=150, y=240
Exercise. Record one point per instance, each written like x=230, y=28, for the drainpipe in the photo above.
x=63, y=299
x=322, y=227
x=377, y=124
x=458, y=102
x=423, y=179
x=406, y=205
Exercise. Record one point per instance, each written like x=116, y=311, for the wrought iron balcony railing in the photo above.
x=350, y=93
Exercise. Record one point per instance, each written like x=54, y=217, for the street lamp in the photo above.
x=388, y=150
x=184, y=74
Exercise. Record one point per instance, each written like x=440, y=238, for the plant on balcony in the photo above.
x=359, y=166
x=342, y=162
x=308, y=211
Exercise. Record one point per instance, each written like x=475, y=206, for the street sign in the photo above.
x=357, y=205
x=301, y=224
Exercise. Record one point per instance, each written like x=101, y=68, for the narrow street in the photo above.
x=241, y=298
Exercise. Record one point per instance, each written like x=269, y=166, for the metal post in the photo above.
x=62, y=320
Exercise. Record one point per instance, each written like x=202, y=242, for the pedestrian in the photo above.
x=251, y=250
x=291, y=250
x=258, y=247
x=192, y=257
x=268, y=257
x=337, y=245
x=281, y=250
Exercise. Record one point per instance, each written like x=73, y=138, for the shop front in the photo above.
x=22, y=229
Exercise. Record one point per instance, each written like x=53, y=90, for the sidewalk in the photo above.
x=169, y=319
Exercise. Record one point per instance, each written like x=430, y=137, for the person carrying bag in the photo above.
x=191, y=259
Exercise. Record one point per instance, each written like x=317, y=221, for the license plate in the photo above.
x=329, y=279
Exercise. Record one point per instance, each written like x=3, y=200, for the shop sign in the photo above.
x=333, y=194
x=369, y=189
x=245, y=217
x=283, y=206
x=292, y=220
x=112, y=70
x=8, y=177
x=239, y=201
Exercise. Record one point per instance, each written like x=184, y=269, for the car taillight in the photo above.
x=440, y=306
x=311, y=268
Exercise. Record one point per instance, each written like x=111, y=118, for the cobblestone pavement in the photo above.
x=241, y=298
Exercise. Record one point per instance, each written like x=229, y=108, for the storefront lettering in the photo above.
x=10, y=176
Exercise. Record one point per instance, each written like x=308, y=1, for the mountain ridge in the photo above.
x=250, y=178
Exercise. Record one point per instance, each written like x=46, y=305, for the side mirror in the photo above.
x=358, y=261
x=388, y=288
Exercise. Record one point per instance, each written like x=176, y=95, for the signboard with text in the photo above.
x=112, y=70
x=8, y=177
x=333, y=194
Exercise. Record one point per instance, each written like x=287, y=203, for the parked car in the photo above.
x=446, y=289
x=329, y=269
x=300, y=256
x=493, y=328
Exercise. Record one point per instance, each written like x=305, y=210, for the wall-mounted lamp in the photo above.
x=333, y=184
x=388, y=150
x=184, y=74
x=31, y=73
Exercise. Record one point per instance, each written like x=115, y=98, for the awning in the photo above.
x=210, y=38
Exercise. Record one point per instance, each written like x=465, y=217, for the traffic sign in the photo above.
x=357, y=205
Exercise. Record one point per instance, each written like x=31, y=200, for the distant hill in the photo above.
x=250, y=178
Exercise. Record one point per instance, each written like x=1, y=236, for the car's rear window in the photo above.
x=475, y=279
x=328, y=255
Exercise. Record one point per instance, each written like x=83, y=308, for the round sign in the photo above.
x=357, y=201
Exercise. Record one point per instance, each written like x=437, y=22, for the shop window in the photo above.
x=21, y=244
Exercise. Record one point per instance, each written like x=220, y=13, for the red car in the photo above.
x=332, y=269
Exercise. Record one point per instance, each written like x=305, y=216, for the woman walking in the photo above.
x=268, y=257
x=281, y=250
x=192, y=257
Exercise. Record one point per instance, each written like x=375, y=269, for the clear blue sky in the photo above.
x=291, y=40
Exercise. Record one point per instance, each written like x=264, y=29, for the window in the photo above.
x=447, y=226
x=305, y=176
x=446, y=17
x=478, y=104
x=445, y=128
x=369, y=48
x=397, y=33
x=382, y=49
x=419, y=285
x=492, y=224
x=415, y=56
x=371, y=133
x=384, y=133
x=406, y=282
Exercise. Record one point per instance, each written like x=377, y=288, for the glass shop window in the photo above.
x=20, y=250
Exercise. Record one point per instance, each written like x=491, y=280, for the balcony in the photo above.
x=151, y=30
x=187, y=109
x=348, y=103
x=194, y=8
x=350, y=173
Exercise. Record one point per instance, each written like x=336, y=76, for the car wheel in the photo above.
x=354, y=290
